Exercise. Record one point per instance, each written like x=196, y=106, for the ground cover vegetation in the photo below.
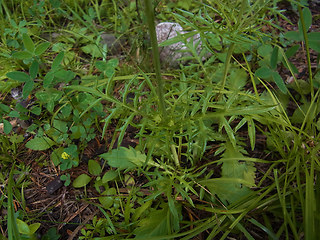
x=101, y=140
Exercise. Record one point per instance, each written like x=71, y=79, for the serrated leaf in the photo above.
x=94, y=168
x=81, y=181
x=156, y=224
x=19, y=76
x=279, y=81
x=28, y=43
x=124, y=158
x=40, y=143
x=236, y=177
x=41, y=48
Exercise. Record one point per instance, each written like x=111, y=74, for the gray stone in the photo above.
x=113, y=44
x=170, y=55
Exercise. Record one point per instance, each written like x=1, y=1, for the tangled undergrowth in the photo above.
x=99, y=140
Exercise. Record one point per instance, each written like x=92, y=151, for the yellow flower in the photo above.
x=65, y=155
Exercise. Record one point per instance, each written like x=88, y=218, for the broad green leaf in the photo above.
x=101, y=65
x=23, y=227
x=265, y=50
x=5, y=108
x=158, y=223
x=81, y=181
x=93, y=50
x=94, y=168
x=140, y=210
x=57, y=61
x=292, y=35
x=106, y=202
x=14, y=113
x=28, y=43
x=113, y=63
x=65, y=76
x=263, y=72
x=124, y=158
x=236, y=177
x=314, y=41
x=41, y=48
x=34, y=227
x=307, y=19
x=36, y=110
x=49, y=95
x=34, y=69
x=40, y=143
x=19, y=76
x=279, y=81
x=27, y=88
x=7, y=127
x=109, y=176
x=23, y=55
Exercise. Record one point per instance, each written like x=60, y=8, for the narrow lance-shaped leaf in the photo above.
x=274, y=58
x=251, y=132
x=279, y=81
x=27, y=88
x=34, y=69
x=57, y=61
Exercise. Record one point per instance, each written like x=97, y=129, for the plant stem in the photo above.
x=156, y=57
x=227, y=65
